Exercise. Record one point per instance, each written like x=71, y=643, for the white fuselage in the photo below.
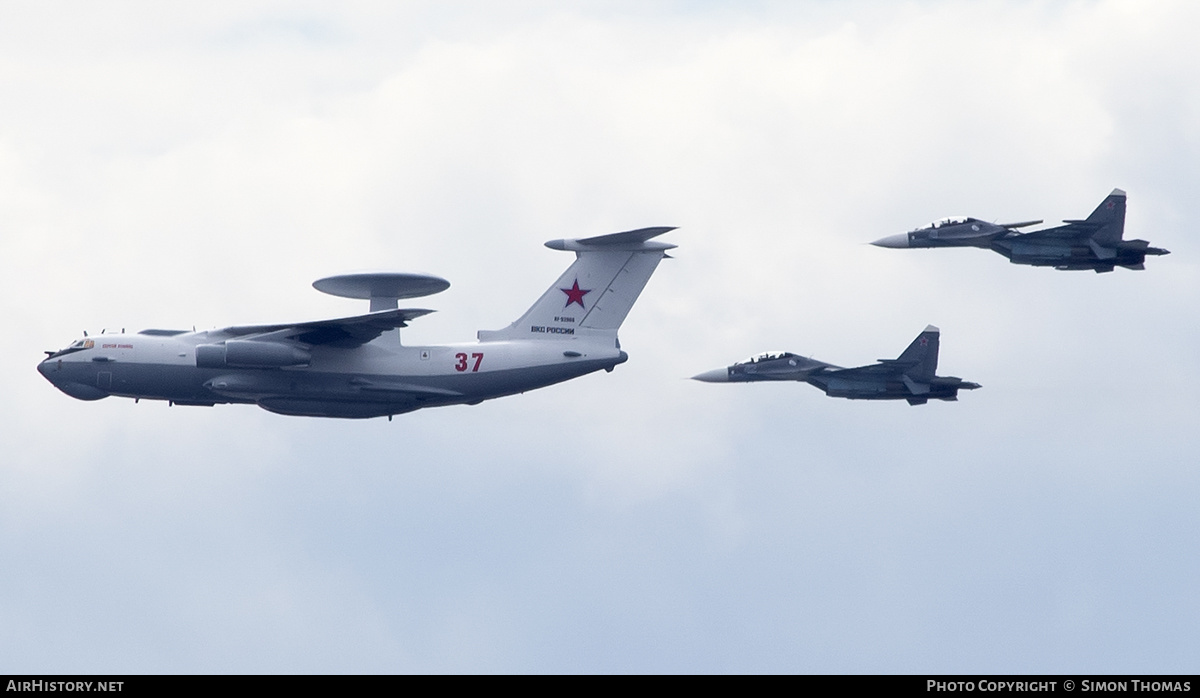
x=381, y=377
x=356, y=366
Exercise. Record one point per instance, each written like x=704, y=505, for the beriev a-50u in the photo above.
x=909, y=377
x=356, y=366
x=1096, y=242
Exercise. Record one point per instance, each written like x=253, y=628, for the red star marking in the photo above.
x=924, y=341
x=575, y=294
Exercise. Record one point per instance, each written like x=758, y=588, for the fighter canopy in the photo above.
x=949, y=221
x=768, y=356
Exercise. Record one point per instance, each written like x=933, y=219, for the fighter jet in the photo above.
x=356, y=366
x=1094, y=243
x=907, y=377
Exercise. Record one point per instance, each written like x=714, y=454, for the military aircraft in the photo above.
x=356, y=367
x=1094, y=243
x=908, y=377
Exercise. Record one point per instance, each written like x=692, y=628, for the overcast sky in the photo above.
x=200, y=165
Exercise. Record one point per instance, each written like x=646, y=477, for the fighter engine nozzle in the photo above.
x=895, y=241
x=717, y=375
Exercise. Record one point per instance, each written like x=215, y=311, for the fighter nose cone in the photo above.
x=717, y=375
x=897, y=241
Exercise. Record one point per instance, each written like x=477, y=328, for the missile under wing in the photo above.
x=911, y=376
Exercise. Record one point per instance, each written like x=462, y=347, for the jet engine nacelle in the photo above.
x=247, y=353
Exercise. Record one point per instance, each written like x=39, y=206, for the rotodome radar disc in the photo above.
x=369, y=285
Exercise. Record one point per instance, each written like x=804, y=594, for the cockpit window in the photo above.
x=78, y=345
x=951, y=220
x=766, y=356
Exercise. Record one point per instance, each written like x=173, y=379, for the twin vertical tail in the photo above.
x=594, y=294
x=923, y=355
x=1109, y=219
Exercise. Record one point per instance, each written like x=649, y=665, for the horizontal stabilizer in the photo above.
x=914, y=387
x=632, y=240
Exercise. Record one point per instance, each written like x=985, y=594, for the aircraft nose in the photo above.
x=717, y=375
x=895, y=241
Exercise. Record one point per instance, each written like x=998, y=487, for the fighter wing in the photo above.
x=344, y=332
x=1072, y=229
x=1106, y=224
x=884, y=368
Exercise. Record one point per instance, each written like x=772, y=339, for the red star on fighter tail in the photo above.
x=574, y=294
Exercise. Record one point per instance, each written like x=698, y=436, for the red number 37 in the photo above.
x=461, y=365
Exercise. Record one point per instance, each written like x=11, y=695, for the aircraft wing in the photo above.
x=344, y=332
x=888, y=367
x=1072, y=229
x=1106, y=225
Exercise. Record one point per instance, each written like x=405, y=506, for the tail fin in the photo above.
x=594, y=294
x=923, y=354
x=1109, y=217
